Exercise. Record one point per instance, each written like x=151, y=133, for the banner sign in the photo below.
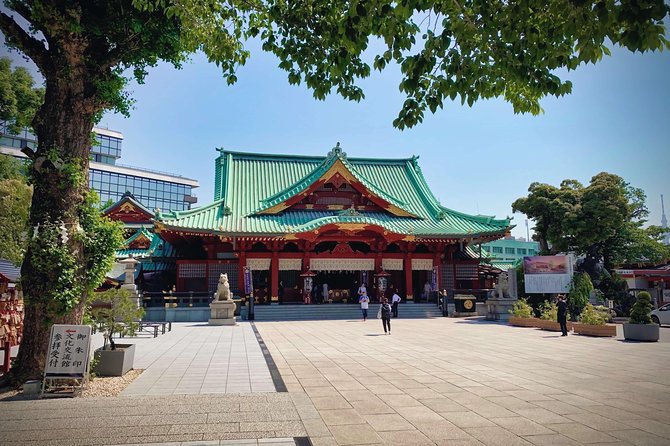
x=248, y=284
x=547, y=274
x=69, y=347
x=433, y=282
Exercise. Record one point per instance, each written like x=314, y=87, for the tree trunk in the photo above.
x=54, y=290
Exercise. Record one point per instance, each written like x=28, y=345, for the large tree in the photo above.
x=446, y=49
x=603, y=221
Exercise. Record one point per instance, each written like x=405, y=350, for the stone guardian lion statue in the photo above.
x=222, y=289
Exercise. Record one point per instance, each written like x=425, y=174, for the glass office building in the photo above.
x=111, y=180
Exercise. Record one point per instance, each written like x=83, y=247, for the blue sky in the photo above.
x=476, y=160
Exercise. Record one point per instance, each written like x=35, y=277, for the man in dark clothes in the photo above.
x=562, y=314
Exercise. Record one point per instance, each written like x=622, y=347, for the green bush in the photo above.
x=548, y=311
x=113, y=311
x=580, y=291
x=521, y=309
x=641, y=311
x=594, y=315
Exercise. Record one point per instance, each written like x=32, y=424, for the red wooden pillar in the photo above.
x=409, y=289
x=274, y=276
x=240, y=272
x=437, y=267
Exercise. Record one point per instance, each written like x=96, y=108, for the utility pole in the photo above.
x=527, y=231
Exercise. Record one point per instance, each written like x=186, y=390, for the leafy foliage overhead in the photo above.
x=450, y=50
x=19, y=98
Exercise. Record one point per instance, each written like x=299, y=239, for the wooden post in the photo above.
x=408, y=276
x=274, y=276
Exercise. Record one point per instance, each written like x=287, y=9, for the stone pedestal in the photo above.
x=498, y=309
x=222, y=312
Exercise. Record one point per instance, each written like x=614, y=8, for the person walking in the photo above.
x=562, y=314
x=395, y=300
x=386, y=316
x=364, y=300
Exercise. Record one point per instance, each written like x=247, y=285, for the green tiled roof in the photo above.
x=247, y=183
x=158, y=247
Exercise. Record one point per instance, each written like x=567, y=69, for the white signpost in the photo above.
x=69, y=350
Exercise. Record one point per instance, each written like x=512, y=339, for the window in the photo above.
x=521, y=251
x=509, y=250
x=532, y=252
x=497, y=249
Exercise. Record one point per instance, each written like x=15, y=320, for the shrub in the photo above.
x=594, y=316
x=521, y=309
x=113, y=311
x=548, y=311
x=580, y=291
x=641, y=311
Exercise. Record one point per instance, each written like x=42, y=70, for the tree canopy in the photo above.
x=15, y=195
x=19, y=98
x=603, y=221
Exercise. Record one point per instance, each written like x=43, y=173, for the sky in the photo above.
x=476, y=160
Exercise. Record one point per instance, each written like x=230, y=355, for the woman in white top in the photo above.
x=364, y=300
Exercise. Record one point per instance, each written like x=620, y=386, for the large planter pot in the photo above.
x=523, y=321
x=548, y=325
x=607, y=330
x=641, y=332
x=114, y=362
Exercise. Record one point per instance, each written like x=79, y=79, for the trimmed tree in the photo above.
x=468, y=50
x=641, y=311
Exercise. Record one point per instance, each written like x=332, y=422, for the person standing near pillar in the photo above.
x=395, y=300
x=562, y=314
x=364, y=300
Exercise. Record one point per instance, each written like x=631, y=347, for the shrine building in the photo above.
x=299, y=222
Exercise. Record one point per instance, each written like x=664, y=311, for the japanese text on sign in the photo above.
x=69, y=348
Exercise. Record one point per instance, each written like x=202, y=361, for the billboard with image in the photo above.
x=547, y=274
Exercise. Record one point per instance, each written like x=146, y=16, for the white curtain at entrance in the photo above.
x=422, y=264
x=342, y=264
x=290, y=264
x=259, y=264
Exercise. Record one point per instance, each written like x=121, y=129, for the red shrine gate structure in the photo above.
x=300, y=222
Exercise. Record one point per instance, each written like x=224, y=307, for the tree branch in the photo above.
x=32, y=47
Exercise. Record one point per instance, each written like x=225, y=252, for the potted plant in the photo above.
x=114, y=312
x=522, y=314
x=641, y=327
x=593, y=322
x=549, y=317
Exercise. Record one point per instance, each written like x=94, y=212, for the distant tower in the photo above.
x=664, y=223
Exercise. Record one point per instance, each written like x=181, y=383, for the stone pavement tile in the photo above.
x=419, y=414
x=383, y=389
x=521, y=426
x=240, y=442
x=237, y=435
x=330, y=402
x=653, y=427
x=467, y=419
x=323, y=441
x=276, y=442
x=485, y=391
x=422, y=392
x=581, y=433
x=372, y=406
x=511, y=403
x=396, y=401
x=405, y=438
x=441, y=431
x=355, y=435
x=442, y=405
x=489, y=410
x=444, y=387
x=460, y=442
x=316, y=428
x=321, y=391
x=600, y=423
x=542, y=416
x=528, y=395
x=639, y=438
x=356, y=395
x=576, y=400
x=560, y=407
x=388, y=422
x=351, y=384
x=236, y=417
x=496, y=436
x=625, y=405
x=271, y=426
x=308, y=413
x=201, y=443
x=204, y=428
x=314, y=382
x=614, y=413
x=551, y=440
x=336, y=417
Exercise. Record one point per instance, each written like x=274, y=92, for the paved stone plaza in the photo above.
x=435, y=381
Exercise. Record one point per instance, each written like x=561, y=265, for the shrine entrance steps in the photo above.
x=298, y=312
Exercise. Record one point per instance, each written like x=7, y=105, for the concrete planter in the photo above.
x=523, y=321
x=114, y=362
x=548, y=325
x=607, y=330
x=641, y=332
